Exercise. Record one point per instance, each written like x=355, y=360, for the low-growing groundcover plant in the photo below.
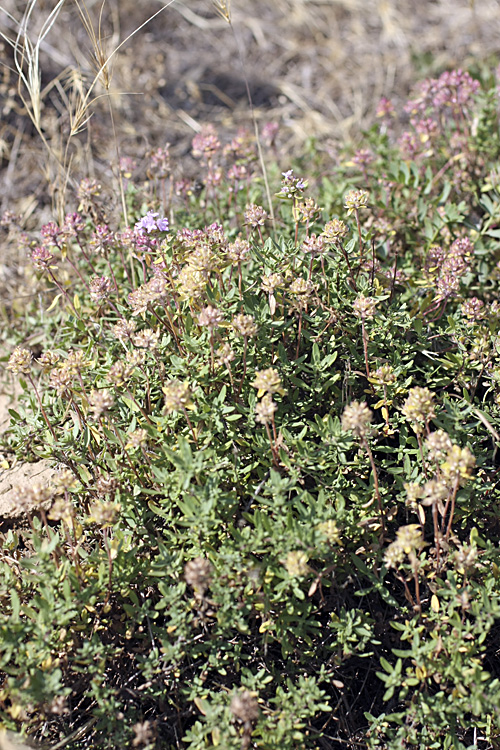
x=275, y=517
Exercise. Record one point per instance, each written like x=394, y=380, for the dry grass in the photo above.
x=318, y=67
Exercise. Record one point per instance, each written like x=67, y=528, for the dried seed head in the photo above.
x=458, y=465
x=238, y=250
x=330, y=530
x=29, y=496
x=76, y=361
x=244, y=706
x=124, y=329
x=335, y=230
x=103, y=513
x=143, y=733
x=308, y=209
x=384, y=375
x=191, y=283
x=438, y=444
x=409, y=540
x=413, y=494
x=62, y=510
x=137, y=439
x=147, y=339
x=465, y=557
x=245, y=325
x=100, y=287
x=224, y=354
x=100, y=402
x=255, y=216
x=435, y=491
x=64, y=481
x=301, y=288
x=314, y=245
x=48, y=360
x=20, y=361
x=271, y=282
x=210, y=317
x=198, y=574
x=265, y=409
x=268, y=381
x=177, y=396
x=106, y=485
x=41, y=257
x=419, y=406
x=296, y=563
x=394, y=555
x=365, y=307
x=62, y=380
x=354, y=200
x=357, y=417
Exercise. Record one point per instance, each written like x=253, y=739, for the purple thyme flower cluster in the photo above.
x=291, y=186
x=454, y=265
x=150, y=223
x=452, y=92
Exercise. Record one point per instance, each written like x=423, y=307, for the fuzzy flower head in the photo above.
x=255, y=216
x=150, y=223
x=384, y=375
x=104, y=513
x=354, y=200
x=206, y=143
x=314, y=245
x=385, y=108
x=100, y=402
x=137, y=439
x=296, y=563
x=20, y=361
x=438, y=444
x=435, y=492
x=268, y=381
x=271, y=282
x=147, y=339
x=458, y=464
x=419, y=407
x=48, y=360
x=245, y=325
x=210, y=317
x=364, y=307
x=409, y=541
x=265, y=409
x=224, y=355
x=26, y=497
x=41, y=258
x=62, y=380
x=159, y=164
x=308, y=210
x=357, y=417
x=238, y=250
x=120, y=373
x=177, y=396
x=100, y=287
x=335, y=230
x=473, y=309
x=101, y=240
x=330, y=530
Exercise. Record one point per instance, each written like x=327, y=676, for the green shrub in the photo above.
x=275, y=521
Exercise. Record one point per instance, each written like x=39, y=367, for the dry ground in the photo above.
x=316, y=67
